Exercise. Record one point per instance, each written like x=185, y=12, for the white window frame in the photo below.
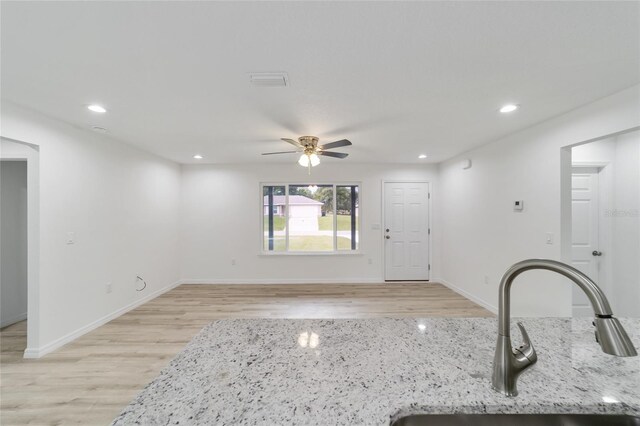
x=335, y=251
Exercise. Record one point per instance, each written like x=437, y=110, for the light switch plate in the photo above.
x=549, y=237
x=71, y=237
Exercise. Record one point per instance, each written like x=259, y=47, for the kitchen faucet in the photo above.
x=509, y=363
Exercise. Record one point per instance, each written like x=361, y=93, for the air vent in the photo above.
x=269, y=79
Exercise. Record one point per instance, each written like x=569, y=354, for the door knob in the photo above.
x=386, y=230
x=387, y=237
x=596, y=253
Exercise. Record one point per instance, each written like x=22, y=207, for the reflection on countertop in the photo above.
x=371, y=371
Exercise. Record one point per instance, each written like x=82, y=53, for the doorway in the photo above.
x=406, y=231
x=13, y=247
x=13, y=151
x=604, y=219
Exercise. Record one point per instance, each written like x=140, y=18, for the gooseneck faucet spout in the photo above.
x=509, y=363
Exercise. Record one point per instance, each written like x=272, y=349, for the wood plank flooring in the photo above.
x=90, y=380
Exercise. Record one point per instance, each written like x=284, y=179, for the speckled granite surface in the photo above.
x=368, y=372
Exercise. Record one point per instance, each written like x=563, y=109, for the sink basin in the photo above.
x=517, y=419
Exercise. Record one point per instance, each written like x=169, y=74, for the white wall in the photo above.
x=13, y=247
x=600, y=151
x=121, y=203
x=626, y=225
x=134, y=213
x=221, y=212
x=482, y=235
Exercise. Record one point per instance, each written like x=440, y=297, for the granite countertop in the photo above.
x=371, y=371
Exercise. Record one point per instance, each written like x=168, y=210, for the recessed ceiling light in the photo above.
x=509, y=108
x=198, y=157
x=96, y=108
x=422, y=156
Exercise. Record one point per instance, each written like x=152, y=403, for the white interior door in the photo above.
x=406, y=230
x=585, y=252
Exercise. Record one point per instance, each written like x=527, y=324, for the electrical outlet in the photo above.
x=71, y=237
x=549, y=237
x=109, y=288
x=486, y=280
x=233, y=262
x=370, y=261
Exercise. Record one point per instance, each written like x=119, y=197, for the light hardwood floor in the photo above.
x=91, y=379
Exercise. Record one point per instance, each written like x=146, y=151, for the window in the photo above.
x=303, y=218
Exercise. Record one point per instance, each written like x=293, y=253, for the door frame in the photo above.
x=429, y=224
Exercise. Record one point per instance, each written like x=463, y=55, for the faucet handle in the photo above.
x=526, y=348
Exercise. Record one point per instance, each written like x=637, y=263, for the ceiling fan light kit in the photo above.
x=307, y=160
x=310, y=150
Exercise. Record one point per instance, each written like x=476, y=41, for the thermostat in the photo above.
x=518, y=206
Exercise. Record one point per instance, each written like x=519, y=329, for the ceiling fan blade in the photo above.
x=336, y=144
x=333, y=154
x=292, y=142
x=281, y=152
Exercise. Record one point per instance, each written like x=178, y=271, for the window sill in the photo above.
x=312, y=253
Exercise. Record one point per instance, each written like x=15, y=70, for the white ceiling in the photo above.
x=397, y=79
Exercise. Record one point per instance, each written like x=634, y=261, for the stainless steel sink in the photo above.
x=517, y=419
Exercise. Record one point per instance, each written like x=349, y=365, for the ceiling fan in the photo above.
x=308, y=146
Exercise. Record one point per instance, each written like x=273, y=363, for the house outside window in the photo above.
x=318, y=218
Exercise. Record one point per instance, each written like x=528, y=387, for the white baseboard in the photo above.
x=469, y=296
x=56, y=344
x=13, y=320
x=282, y=281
